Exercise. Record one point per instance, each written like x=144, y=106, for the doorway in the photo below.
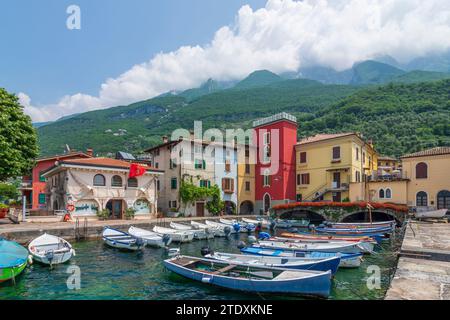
x=336, y=197
x=336, y=180
x=200, y=209
x=115, y=208
x=266, y=202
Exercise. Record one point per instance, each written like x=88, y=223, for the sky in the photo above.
x=132, y=50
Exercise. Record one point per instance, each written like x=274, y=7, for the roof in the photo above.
x=168, y=143
x=124, y=155
x=66, y=155
x=104, y=162
x=274, y=118
x=429, y=152
x=325, y=136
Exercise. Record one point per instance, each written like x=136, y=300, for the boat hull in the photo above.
x=10, y=273
x=315, y=286
x=431, y=214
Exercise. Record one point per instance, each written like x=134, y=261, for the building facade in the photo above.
x=275, y=138
x=33, y=187
x=246, y=179
x=328, y=163
x=95, y=184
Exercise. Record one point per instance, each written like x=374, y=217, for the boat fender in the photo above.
x=74, y=253
x=206, y=279
x=252, y=239
x=166, y=239
x=30, y=259
x=205, y=251
x=236, y=227
x=227, y=231
x=264, y=235
x=241, y=245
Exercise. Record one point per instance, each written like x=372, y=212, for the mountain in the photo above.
x=432, y=62
x=420, y=76
x=399, y=118
x=373, y=72
x=210, y=86
x=327, y=75
x=257, y=79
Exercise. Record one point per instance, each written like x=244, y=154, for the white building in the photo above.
x=95, y=184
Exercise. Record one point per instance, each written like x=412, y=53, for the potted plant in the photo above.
x=3, y=210
x=103, y=214
x=129, y=213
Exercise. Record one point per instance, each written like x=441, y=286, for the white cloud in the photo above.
x=281, y=37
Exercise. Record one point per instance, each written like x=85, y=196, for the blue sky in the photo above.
x=41, y=57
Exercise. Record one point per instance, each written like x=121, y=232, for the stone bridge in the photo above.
x=341, y=213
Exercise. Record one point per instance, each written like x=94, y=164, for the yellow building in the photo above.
x=424, y=181
x=429, y=175
x=327, y=164
x=246, y=180
x=388, y=165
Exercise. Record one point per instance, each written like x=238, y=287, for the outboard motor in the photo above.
x=139, y=242
x=227, y=230
x=263, y=236
x=50, y=255
x=321, y=225
x=252, y=239
x=241, y=245
x=272, y=225
x=205, y=251
x=250, y=227
x=236, y=227
x=166, y=239
x=328, y=224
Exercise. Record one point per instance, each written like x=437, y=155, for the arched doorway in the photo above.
x=443, y=199
x=266, y=202
x=311, y=216
x=246, y=207
x=363, y=216
x=116, y=208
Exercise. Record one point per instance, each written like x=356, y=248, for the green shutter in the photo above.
x=204, y=164
x=42, y=199
x=209, y=184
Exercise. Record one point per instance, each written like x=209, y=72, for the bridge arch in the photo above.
x=363, y=216
x=303, y=213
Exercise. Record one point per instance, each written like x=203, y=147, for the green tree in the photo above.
x=18, y=139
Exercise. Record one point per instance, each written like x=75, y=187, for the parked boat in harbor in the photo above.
x=122, y=240
x=217, y=232
x=251, y=278
x=430, y=214
x=264, y=223
x=199, y=234
x=150, y=238
x=227, y=229
x=367, y=245
x=311, y=236
x=13, y=259
x=176, y=235
x=50, y=250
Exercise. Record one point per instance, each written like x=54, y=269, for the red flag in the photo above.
x=136, y=170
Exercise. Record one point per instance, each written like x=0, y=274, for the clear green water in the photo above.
x=107, y=273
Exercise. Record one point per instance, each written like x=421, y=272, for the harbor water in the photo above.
x=107, y=273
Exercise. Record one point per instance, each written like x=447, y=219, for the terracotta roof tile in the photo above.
x=429, y=152
x=76, y=154
x=324, y=136
x=107, y=162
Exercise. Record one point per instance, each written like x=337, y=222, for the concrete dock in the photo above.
x=26, y=231
x=423, y=270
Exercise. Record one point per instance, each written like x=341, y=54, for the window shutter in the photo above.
x=223, y=183
x=232, y=185
x=336, y=152
x=204, y=164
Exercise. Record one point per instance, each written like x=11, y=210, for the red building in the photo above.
x=34, y=186
x=276, y=137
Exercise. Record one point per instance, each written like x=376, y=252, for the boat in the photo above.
x=299, y=223
x=355, y=232
x=50, y=250
x=331, y=263
x=282, y=224
x=217, y=232
x=238, y=227
x=433, y=214
x=263, y=223
x=367, y=245
x=150, y=238
x=251, y=278
x=199, y=234
x=13, y=260
x=352, y=225
x=176, y=235
x=223, y=227
x=319, y=247
x=122, y=240
x=348, y=260
x=311, y=236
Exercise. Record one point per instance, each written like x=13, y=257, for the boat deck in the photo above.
x=423, y=271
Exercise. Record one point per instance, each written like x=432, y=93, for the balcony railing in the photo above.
x=26, y=185
x=376, y=176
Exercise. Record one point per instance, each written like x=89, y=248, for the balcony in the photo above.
x=395, y=176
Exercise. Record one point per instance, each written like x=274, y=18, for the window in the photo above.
x=247, y=185
x=303, y=178
x=41, y=178
x=388, y=193
x=99, y=180
x=421, y=199
x=421, y=170
x=358, y=176
x=205, y=183
x=267, y=138
x=173, y=204
x=173, y=183
x=156, y=165
x=132, y=183
x=247, y=151
x=199, y=164
x=381, y=194
x=364, y=157
x=336, y=153
x=116, y=181
x=158, y=185
x=227, y=166
x=357, y=154
x=302, y=157
x=172, y=164
x=42, y=198
x=228, y=185
x=266, y=178
x=299, y=179
x=247, y=168
x=266, y=154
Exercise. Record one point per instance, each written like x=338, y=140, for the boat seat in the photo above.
x=225, y=269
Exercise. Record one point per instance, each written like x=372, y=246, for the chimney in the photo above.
x=90, y=152
x=165, y=139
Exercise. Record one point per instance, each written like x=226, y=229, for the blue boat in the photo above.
x=13, y=259
x=377, y=237
x=251, y=278
x=348, y=260
x=318, y=264
x=357, y=232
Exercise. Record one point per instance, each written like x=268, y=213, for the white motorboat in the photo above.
x=122, y=240
x=265, y=224
x=150, y=238
x=176, y=235
x=317, y=247
x=431, y=214
x=49, y=249
x=227, y=229
x=199, y=234
x=368, y=246
x=210, y=229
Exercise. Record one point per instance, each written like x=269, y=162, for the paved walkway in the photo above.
x=423, y=271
